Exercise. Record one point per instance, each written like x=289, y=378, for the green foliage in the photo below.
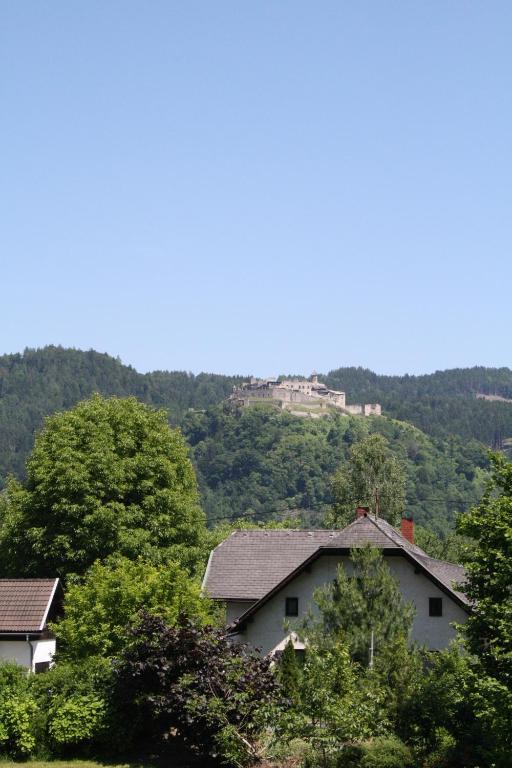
x=189, y=685
x=76, y=719
x=372, y=477
x=386, y=752
x=40, y=382
x=334, y=709
x=73, y=702
x=107, y=477
x=289, y=674
x=441, y=404
x=458, y=716
x=262, y=464
x=13, y=678
x=397, y=672
x=452, y=547
x=98, y=609
x=17, y=736
x=17, y=712
x=364, y=598
x=489, y=568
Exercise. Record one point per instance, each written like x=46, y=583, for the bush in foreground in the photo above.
x=189, y=687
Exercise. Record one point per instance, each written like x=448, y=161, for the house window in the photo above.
x=292, y=606
x=435, y=606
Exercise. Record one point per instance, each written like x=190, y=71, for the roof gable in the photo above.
x=251, y=565
x=247, y=564
x=25, y=604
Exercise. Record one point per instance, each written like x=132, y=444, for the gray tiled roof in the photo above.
x=248, y=564
x=449, y=574
x=24, y=603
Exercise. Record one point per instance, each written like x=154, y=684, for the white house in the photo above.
x=26, y=607
x=267, y=578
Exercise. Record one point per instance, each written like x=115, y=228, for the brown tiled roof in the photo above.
x=249, y=564
x=25, y=603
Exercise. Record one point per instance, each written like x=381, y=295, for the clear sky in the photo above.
x=258, y=186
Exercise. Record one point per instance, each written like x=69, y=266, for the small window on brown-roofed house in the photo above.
x=292, y=606
x=435, y=606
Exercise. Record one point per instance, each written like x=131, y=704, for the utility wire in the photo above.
x=286, y=514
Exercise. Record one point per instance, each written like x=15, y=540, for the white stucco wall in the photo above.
x=15, y=650
x=44, y=650
x=19, y=651
x=266, y=630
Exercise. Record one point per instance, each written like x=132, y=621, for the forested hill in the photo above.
x=441, y=404
x=39, y=382
x=242, y=471
x=261, y=463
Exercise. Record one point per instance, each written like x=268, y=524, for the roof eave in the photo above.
x=49, y=605
x=393, y=551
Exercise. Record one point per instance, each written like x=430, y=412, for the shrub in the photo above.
x=190, y=686
x=386, y=752
x=76, y=720
x=75, y=700
x=16, y=724
x=17, y=712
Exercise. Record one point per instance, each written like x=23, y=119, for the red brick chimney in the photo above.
x=407, y=527
x=361, y=512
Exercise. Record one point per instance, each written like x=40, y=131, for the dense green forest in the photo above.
x=441, y=404
x=263, y=463
x=39, y=382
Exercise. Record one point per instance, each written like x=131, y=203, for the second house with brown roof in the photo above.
x=26, y=607
x=267, y=579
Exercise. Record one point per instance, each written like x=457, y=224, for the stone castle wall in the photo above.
x=309, y=393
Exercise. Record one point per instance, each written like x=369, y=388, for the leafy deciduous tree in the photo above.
x=98, y=610
x=489, y=568
x=459, y=716
x=108, y=476
x=372, y=477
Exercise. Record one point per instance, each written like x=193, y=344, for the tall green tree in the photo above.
x=289, y=673
x=372, y=477
x=489, y=568
x=107, y=477
x=97, y=610
x=364, y=601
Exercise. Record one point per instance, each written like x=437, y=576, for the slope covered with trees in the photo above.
x=441, y=403
x=39, y=382
x=146, y=672
x=261, y=463
x=264, y=463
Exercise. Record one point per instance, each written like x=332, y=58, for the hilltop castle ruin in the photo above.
x=301, y=395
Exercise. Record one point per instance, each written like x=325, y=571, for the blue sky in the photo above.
x=258, y=187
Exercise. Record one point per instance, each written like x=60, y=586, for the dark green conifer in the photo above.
x=289, y=673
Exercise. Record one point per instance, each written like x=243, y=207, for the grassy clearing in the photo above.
x=65, y=764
